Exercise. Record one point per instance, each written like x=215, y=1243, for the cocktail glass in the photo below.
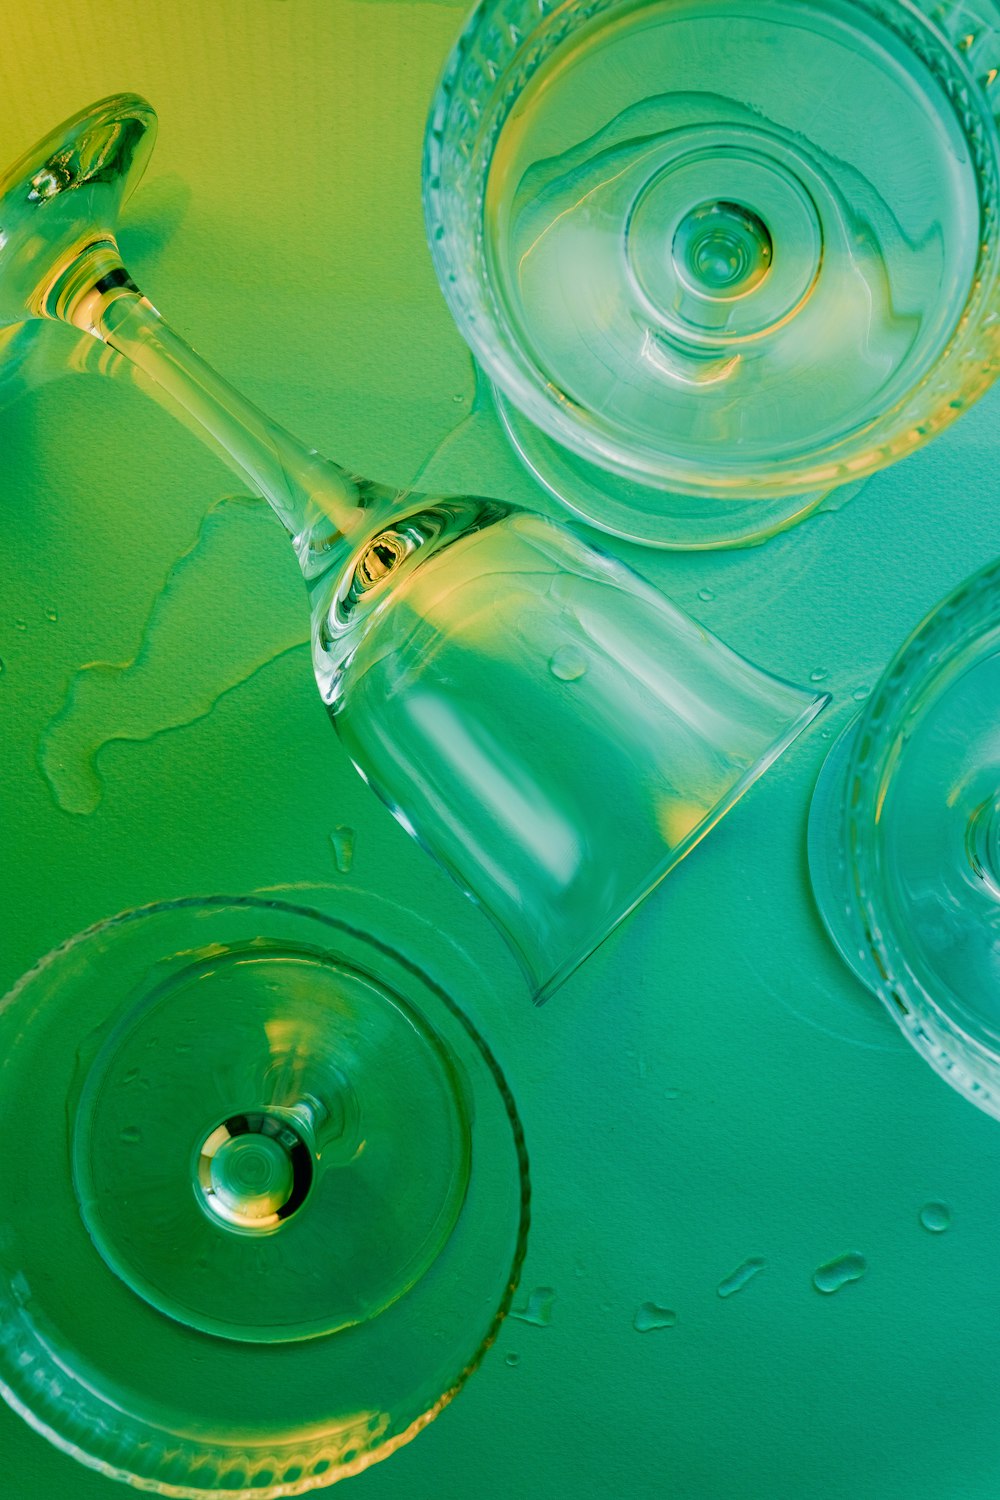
x=720, y=257
x=265, y=1194
x=904, y=840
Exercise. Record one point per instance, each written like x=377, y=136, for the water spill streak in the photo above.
x=537, y=1310
x=741, y=1277
x=195, y=648
x=838, y=1273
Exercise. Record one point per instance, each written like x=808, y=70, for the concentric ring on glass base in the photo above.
x=157, y=1443
x=938, y=647
x=494, y=58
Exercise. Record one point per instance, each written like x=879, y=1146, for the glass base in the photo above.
x=280, y=1165
x=644, y=513
x=64, y=193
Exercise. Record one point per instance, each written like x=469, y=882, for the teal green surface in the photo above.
x=713, y=1087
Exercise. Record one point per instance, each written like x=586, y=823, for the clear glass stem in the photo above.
x=318, y=503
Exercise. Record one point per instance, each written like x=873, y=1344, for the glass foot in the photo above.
x=275, y=1159
x=643, y=513
x=66, y=192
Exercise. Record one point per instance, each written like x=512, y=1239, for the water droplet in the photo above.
x=671, y=1093
x=860, y=694
x=818, y=674
x=651, y=1316
x=538, y=1308
x=20, y=624
x=837, y=1273
x=706, y=596
x=458, y=400
x=512, y=1359
x=936, y=1217
x=131, y=1075
x=738, y=1279
x=342, y=840
x=131, y=1134
x=3, y=665
x=52, y=614
x=568, y=664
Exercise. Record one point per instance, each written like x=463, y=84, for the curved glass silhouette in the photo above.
x=719, y=258
x=547, y=725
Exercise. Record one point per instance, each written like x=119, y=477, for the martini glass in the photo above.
x=265, y=1195
x=552, y=730
x=904, y=840
x=719, y=257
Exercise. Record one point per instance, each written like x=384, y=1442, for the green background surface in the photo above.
x=713, y=1085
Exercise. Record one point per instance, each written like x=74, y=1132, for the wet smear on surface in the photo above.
x=741, y=1277
x=651, y=1316
x=199, y=642
x=537, y=1310
x=836, y=1274
x=935, y=1217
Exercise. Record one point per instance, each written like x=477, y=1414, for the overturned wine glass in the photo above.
x=545, y=723
x=720, y=257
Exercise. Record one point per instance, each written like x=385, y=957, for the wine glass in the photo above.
x=543, y=721
x=904, y=840
x=265, y=1195
x=719, y=256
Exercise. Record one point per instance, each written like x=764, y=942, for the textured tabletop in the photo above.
x=714, y=1108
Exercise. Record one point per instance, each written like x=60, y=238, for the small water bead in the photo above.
x=131, y=1134
x=20, y=624
x=741, y=1277
x=537, y=1310
x=835, y=1274
x=935, y=1217
x=860, y=694
x=342, y=840
x=568, y=664
x=651, y=1316
x=671, y=1093
x=512, y=1360
x=706, y=596
x=818, y=674
x=52, y=614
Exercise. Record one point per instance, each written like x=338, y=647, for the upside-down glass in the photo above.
x=720, y=256
x=904, y=840
x=542, y=720
x=265, y=1194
